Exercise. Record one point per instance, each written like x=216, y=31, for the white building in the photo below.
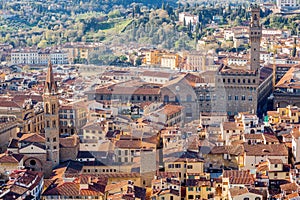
x=295, y=4
x=170, y=61
x=36, y=57
x=237, y=60
x=195, y=61
x=188, y=18
x=156, y=77
x=59, y=57
x=24, y=57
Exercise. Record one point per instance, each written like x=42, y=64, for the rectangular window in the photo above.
x=171, y=166
x=243, y=98
x=190, y=189
x=177, y=165
x=236, y=98
x=201, y=98
x=229, y=97
x=190, y=166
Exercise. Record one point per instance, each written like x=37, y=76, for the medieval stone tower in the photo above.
x=255, y=34
x=51, y=108
x=240, y=88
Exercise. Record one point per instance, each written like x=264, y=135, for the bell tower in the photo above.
x=51, y=108
x=255, y=34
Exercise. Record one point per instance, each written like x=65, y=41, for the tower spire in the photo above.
x=51, y=118
x=255, y=33
x=50, y=84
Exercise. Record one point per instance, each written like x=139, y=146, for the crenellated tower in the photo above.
x=255, y=34
x=51, y=116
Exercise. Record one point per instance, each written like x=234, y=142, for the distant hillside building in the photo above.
x=288, y=4
x=32, y=56
x=187, y=18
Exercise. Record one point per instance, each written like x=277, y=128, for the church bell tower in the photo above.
x=51, y=108
x=255, y=34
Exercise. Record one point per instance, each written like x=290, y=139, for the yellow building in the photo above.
x=184, y=166
x=275, y=169
x=153, y=57
x=289, y=115
x=166, y=194
x=83, y=51
x=170, y=60
x=33, y=117
x=199, y=189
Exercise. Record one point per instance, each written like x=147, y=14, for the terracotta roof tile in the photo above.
x=10, y=158
x=237, y=191
x=9, y=104
x=129, y=144
x=263, y=149
x=289, y=187
x=239, y=177
x=68, y=142
x=254, y=136
x=32, y=137
x=275, y=161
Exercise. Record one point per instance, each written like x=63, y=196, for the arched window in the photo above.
x=166, y=98
x=246, y=198
x=255, y=18
x=177, y=98
x=257, y=198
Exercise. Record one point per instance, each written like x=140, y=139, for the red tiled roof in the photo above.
x=69, y=141
x=10, y=158
x=263, y=149
x=9, y=104
x=237, y=191
x=239, y=177
x=32, y=137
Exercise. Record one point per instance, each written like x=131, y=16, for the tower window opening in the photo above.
x=47, y=109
